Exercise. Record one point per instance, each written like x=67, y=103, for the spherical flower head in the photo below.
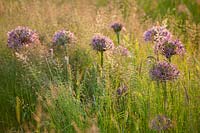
x=171, y=48
x=161, y=34
x=148, y=35
x=116, y=26
x=161, y=122
x=157, y=34
x=120, y=50
x=63, y=37
x=101, y=43
x=164, y=71
x=21, y=36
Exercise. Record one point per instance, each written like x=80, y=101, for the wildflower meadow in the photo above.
x=99, y=66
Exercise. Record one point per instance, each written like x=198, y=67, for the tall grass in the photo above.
x=42, y=93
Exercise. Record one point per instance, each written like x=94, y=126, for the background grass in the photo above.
x=40, y=93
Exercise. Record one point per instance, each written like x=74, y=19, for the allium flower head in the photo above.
x=21, y=36
x=163, y=71
x=149, y=34
x=161, y=122
x=116, y=26
x=120, y=50
x=157, y=34
x=101, y=43
x=63, y=37
x=172, y=48
x=161, y=34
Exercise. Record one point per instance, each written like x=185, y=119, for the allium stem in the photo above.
x=118, y=37
x=66, y=55
x=165, y=94
x=102, y=59
x=169, y=59
x=66, y=61
x=157, y=56
x=158, y=96
x=65, y=50
x=15, y=73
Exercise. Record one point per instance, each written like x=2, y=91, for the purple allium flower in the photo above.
x=157, y=34
x=149, y=34
x=163, y=71
x=101, y=43
x=161, y=35
x=172, y=48
x=120, y=50
x=63, y=37
x=21, y=36
x=116, y=26
x=161, y=122
x=122, y=90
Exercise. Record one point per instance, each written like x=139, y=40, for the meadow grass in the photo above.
x=40, y=92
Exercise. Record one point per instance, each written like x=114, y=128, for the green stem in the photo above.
x=65, y=50
x=157, y=56
x=165, y=94
x=102, y=59
x=158, y=96
x=118, y=38
x=169, y=59
x=66, y=60
x=102, y=76
x=15, y=73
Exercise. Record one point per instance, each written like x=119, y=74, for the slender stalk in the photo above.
x=158, y=95
x=15, y=73
x=186, y=94
x=66, y=61
x=169, y=59
x=102, y=59
x=118, y=37
x=157, y=56
x=66, y=53
x=165, y=94
x=18, y=109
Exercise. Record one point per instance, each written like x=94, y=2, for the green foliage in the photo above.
x=64, y=110
x=67, y=91
x=183, y=9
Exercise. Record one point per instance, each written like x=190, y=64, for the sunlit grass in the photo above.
x=44, y=93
